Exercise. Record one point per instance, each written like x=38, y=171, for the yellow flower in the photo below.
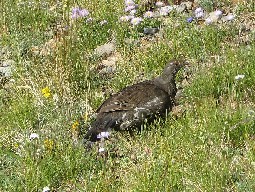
x=46, y=92
x=75, y=126
x=48, y=144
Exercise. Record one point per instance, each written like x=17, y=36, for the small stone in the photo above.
x=5, y=69
x=8, y=63
x=105, y=49
x=150, y=31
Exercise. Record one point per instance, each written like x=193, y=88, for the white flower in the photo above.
x=103, y=22
x=199, y=15
x=148, y=14
x=100, y=150
x=124, y=18
x=208, y=21
x=159, y=4
x=46, y=189
x=164, y=11
x=238, y=77
x=103, y=135
x=34, y=136
x=129, y=8
x=218, y=13
x=136, y=20
x=132, y=12
x=129, y=3
x=198, y=10
x=230, y=17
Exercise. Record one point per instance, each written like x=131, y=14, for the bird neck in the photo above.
x=167, y=84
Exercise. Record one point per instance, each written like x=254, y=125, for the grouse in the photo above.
x=133, y=105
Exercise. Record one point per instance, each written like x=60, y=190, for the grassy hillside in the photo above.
x=53, y=77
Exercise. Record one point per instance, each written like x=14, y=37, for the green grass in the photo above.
x=209, y=147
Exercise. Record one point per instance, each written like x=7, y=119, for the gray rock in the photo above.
x=105, y=49
x=150, y=31
x=5, y=68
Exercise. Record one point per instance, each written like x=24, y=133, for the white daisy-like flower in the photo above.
x=198, y=10
x=136, y=20
x=101, y=149
x=238, y=77
x=129, y=3
x=159, y=4
x=208, y=21
x=124, y=18
x=230, y=17
x=33, y=136
x=132, y=12
x=148, y=14
x=103, y=135
x=164, y=11
x=104, y=22
x=218, y=13
x=129, y=8
x=46, y=189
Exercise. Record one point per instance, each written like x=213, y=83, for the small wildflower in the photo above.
x=238, y=77
x=190, y=19
x=104, y=22
x=129, y=3
x=75, y=126
x=103, y=135
x=129, y=8
x=48, y=144
x=218, y=13
x=100, y=150
x=124, y=18
x=34, y=136
x=89, y=20
x=208, y=21
x=77, y=12
x=46, y=189
x=164, y=11
x=136, y=20
x=159, y=4
x=230, y=17
x=148, y=14
x=83, y=13
x=199, y=12
x=132, y=12
x=46, y=92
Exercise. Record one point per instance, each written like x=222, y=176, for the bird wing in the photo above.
x=132, y=97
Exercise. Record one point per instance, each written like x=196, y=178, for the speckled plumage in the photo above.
x=129, y=108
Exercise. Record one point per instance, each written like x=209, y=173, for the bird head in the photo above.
x=172, y=68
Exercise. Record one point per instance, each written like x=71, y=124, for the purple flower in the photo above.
x=218, y=13
x=208, y=21
x=77, y=12
x=83, y=13
x=199, y=12
x=190, y=19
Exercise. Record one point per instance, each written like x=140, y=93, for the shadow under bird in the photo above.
x=130, y=107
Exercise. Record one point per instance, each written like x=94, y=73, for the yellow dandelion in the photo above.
x=46, y=92
x=75, y=126
x=48, y=144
